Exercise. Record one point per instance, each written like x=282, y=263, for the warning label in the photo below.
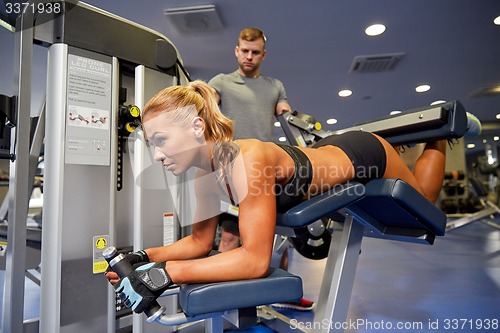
x=99, y=263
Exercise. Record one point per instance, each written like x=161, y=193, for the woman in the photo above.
x=187, y=130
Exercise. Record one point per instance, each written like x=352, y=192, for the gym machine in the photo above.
x=101, y=70
x=423, y=124
x=381, y=208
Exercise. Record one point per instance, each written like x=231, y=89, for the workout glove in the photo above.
x=137, y=257
x=143, y=286
x=134, y=258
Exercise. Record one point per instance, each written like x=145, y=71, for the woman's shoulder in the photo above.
x=256, y=151
x=250, y=147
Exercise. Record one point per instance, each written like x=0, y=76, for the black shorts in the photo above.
x=365, y=151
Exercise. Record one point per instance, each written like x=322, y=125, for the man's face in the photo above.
x=250, y=55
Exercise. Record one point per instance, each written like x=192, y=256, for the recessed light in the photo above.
x=345, y=93
x=277, y=124
x=471, y=145
x=392, y=113
x=423, y=88
x=438, y=102
x=496, y=138
x=375, y=30
x=281, y=139
x=498, y=116
x=331, y=121
x=497, y=20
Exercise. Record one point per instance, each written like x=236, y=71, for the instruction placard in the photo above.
x=88, y=130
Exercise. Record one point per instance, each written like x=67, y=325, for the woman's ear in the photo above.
x=199, y=127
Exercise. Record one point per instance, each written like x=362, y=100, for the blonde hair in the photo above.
x=252, y=34
x=199, y=94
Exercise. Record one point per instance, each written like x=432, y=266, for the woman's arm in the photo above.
x=200, y=242
x=197, y=244
x=257, y=217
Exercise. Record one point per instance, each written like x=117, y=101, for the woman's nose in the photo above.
x=158, y=156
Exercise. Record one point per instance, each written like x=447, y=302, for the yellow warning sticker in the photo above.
x=101, y=243
x=99, y=264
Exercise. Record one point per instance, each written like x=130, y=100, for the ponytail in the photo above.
x=218, y=127
x=202, y=96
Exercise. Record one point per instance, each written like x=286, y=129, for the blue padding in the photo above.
x=396, y=205
x=321, y=205
x=278, y=286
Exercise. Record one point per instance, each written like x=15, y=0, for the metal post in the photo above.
x=13, y=301
x=338, y=278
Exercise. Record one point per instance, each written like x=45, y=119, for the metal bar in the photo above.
x=50, y=294
x=115, y=84
x=13, y=301
x=338, y=278
x=455, y=224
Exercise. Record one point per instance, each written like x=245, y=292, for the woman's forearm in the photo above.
x=186, y=248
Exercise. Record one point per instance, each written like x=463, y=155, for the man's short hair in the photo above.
x=252, y=34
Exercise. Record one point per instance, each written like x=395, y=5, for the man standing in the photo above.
x=252, y=100
x=248, y=97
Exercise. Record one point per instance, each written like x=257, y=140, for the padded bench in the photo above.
x=382, y=208
x=388, y=209
x=278, y=286
x=215, y=302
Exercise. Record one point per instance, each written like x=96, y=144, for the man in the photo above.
x=248, y=97
x=252, y=100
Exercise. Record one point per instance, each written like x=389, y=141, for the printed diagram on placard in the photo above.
x=88, y=117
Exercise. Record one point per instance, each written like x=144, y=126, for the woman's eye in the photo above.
x=159, y=142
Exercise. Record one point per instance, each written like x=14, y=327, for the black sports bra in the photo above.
x=293, y=192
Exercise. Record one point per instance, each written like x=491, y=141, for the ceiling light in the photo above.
x=331, y=121
x=375, y=30
x=498, y=116
x=345, y=93
x=487, y=91
x=423, y=88
x=392, y=113
x=438, y=102
x=471, y=145
x=496, y=138
x=277, y=124
x=281, y=139
x=497, y=20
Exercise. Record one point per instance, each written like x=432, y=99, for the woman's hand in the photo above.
x=112, y=277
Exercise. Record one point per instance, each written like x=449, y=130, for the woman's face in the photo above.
x=176, y=147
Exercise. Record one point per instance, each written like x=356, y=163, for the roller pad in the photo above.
x=397, y=206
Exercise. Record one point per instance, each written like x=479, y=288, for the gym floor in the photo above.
x=452, y=286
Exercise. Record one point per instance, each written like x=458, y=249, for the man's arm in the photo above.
x=282, y=107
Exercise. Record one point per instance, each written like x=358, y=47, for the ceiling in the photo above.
x=452, y=45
